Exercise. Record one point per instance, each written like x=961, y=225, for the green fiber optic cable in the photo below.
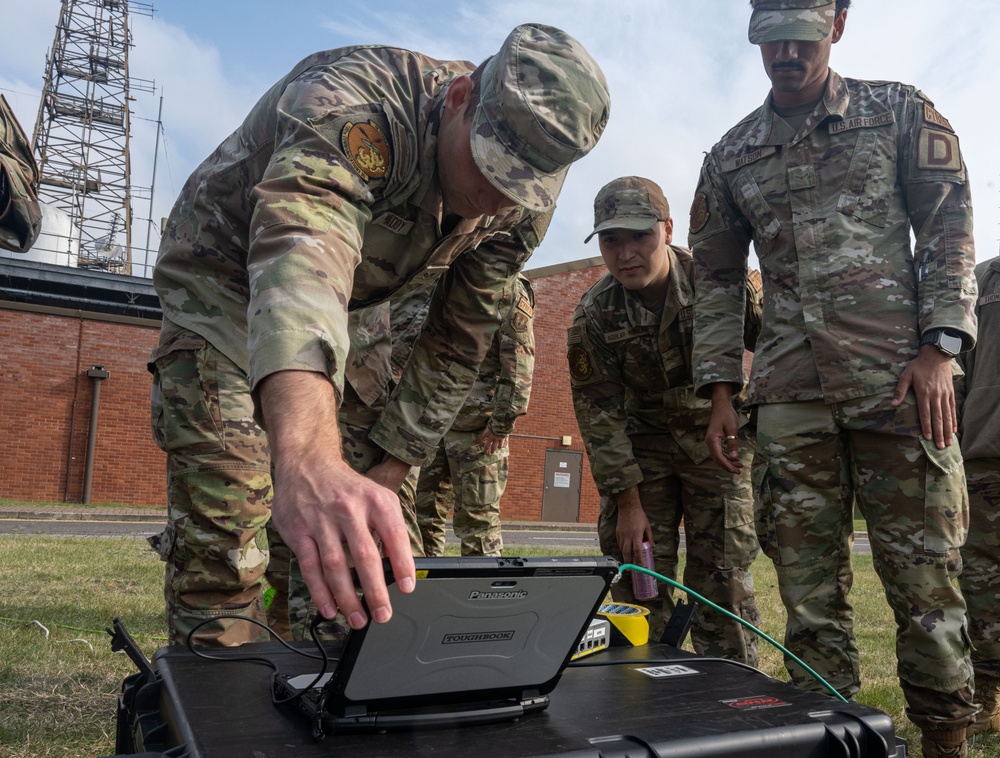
x=734, y=617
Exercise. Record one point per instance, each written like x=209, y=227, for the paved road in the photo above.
x=584, y=539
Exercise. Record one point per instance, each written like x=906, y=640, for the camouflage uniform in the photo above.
x=476, y=480
x=829, y=207
x=327, y=200
x=434, y=505
x=979, y=429
x=20, y=215
x=630, y=370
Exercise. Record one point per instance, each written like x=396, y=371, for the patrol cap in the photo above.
x=544, y=103
x=629, y=202
x=806, y=20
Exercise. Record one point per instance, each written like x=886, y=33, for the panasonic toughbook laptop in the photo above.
x=479, y=639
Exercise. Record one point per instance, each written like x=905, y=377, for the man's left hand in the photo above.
x=491, y=442
x=929, y=376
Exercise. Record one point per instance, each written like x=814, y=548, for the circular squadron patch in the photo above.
x=367, y=149
x=579, y=363
x=699, y=212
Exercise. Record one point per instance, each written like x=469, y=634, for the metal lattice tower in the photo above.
x=81, y=138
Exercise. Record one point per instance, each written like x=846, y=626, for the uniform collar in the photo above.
x=834, y=104
x=679, y=290
x=429, y=191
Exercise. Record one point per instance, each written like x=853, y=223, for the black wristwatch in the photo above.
x=947, y=341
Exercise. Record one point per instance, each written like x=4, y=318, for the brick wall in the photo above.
x=550, y=411
x=45, y=401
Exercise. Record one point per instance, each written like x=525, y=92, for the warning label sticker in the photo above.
x=659, y=672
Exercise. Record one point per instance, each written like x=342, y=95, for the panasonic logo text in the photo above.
x=504, y=595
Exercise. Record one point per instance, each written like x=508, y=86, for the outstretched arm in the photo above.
x=330, y=515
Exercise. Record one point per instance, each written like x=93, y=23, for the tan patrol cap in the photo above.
x=805, y=20
x=544, y=103
x=629, y=202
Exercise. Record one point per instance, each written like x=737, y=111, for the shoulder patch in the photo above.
x=931, y=116
x=519, y=321
x=755, y=279
x=366, y=147
x=579, y=363
x=699, y=213
x=573, y=336
x=938, y=151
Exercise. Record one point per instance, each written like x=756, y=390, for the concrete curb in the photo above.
x=38, y=513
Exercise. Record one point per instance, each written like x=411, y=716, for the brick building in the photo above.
x=58, y=323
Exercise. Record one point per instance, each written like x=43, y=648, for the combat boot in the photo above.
x=941, y=744
x=987, y=696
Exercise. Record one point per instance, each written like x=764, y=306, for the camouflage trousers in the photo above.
x=980, y=579
x=462, y=478
x=717, y=510
x=215, y=544
x=814, y=461
x=434, y=499
x=218, y=492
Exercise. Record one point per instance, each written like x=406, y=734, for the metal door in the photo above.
x=561, y=496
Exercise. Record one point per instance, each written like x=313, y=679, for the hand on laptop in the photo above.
x=330, y=515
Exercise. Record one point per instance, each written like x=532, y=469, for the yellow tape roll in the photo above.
x=631, y=623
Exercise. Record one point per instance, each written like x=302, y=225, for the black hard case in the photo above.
x=193, y=708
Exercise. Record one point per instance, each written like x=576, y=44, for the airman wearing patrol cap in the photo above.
x=364, y=173
x=851, y=376
x=629, y=355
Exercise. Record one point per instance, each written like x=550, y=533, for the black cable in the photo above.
x=323, y=656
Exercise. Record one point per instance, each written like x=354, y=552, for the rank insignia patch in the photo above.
x=579, y=363
x=367, y=149
x=699, y=213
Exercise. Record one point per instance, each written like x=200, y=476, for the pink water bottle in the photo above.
x=643, y=585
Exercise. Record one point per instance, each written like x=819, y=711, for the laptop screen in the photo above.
x=475, y=629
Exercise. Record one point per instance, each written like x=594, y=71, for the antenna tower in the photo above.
x=81, y=138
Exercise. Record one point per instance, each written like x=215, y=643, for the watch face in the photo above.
x=950, y=344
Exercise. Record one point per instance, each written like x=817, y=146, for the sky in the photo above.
x=680, y=72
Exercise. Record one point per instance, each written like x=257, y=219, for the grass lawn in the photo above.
x=60, y=688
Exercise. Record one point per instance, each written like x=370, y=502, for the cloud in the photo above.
x=680, y=75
